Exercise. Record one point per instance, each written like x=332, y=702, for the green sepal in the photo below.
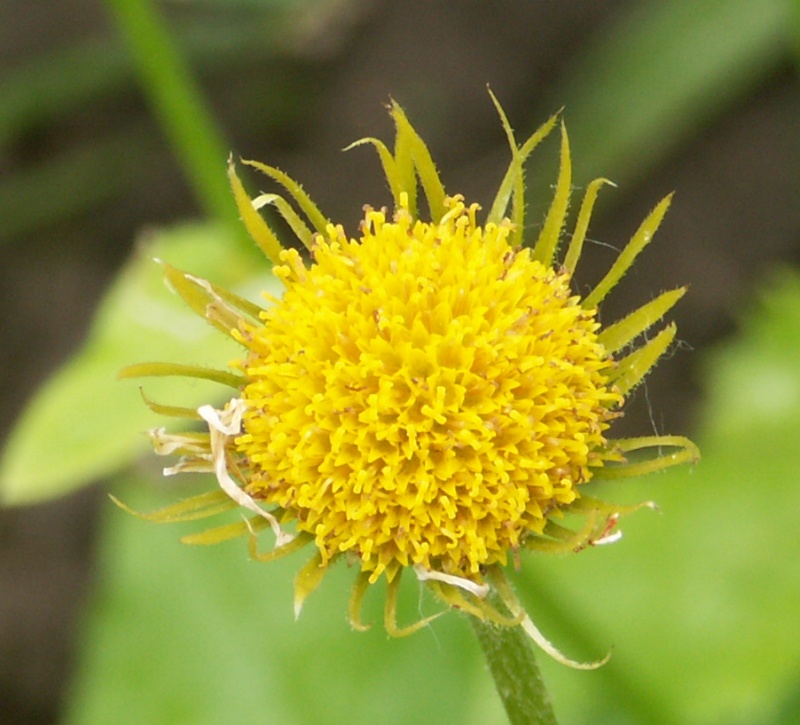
x=307, y=580
x=170, y=411
x=357, y=593
x=588, y=504
x=205, y=297
x=290, y=216
x=256, y=227
x=557, y=539
x=616, y=336
x=240, y=303
x=318, y=220
x=406, y=173
x=226, y=532
x=205, y=300
x=517, y=178
x=191, y=293
x=390, y=611
x=687, y=452
x=502, y=587
x=637, y=243
x=479, y=608
x=408, y=138
x=162, y=369
x=545, y=248
x=201, y=506
x=582, y=225
x=634, y=367
x=298, y=542
x=500, y=204
x=454, y=599
x=397, y=184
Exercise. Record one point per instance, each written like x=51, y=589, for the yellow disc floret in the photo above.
x=425, y=395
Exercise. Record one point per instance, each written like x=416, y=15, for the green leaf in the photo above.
x=178, y=634
x=756, y=384
x=84, y=423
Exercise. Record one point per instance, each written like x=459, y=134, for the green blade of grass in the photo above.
x=662, y=73
x=178, y=104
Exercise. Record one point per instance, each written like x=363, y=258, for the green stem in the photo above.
x=178, y=104
x=509, y=653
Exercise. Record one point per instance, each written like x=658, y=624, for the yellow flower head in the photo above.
x=430, y=394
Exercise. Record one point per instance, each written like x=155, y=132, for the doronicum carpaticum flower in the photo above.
x=431, y=394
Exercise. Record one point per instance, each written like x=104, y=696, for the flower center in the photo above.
x=425, y=395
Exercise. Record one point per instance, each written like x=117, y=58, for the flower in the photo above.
x=431, y=395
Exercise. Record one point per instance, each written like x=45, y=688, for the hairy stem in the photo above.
x=509, y=654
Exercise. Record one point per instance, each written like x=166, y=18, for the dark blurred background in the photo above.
x=84, y=166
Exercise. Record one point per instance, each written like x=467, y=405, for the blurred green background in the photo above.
x=116, y=120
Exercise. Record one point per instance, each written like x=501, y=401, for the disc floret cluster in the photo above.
x=427, y=394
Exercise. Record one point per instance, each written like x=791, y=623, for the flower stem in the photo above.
x=511, y=660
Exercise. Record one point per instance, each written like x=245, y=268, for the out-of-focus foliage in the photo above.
x=95, y=71
x=699, y=602
x=204, y=636
x=84, y=423
x=664, y=73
